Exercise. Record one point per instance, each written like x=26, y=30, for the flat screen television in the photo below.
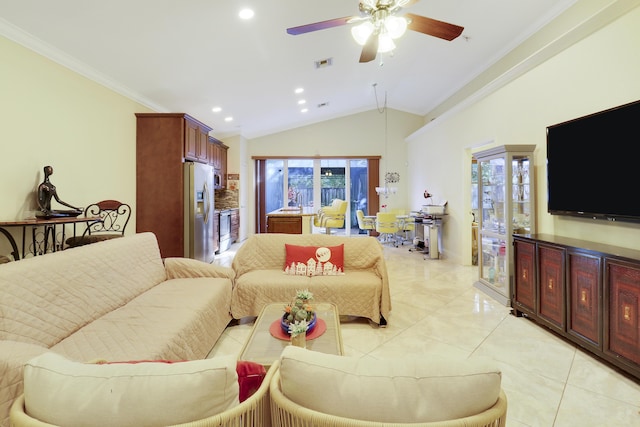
x=593, y=165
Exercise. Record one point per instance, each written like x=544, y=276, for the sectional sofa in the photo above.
x=116, y=301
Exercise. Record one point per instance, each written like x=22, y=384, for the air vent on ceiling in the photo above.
x=323, y=104
x=324, y=63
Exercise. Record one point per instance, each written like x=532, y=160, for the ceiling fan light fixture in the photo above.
x=385, y=43
x=362, y=32
x=396, y=26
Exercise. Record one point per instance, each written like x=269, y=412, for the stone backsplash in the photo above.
x=226, y=199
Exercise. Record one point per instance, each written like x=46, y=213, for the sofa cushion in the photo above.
x=44, y=299
x=314, y=260
x=406, y=390
x=178, y=319
x=67, y=393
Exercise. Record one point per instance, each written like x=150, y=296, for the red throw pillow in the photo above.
x=314, y=260
x=250, y=376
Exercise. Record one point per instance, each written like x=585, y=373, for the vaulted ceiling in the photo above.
x=192, y=55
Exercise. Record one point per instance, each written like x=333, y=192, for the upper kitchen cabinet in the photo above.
x=196, y=140
x=218, y=159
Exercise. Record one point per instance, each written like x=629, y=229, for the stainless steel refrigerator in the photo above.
x=199, y=232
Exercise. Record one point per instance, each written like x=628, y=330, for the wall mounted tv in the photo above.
x=593, y=165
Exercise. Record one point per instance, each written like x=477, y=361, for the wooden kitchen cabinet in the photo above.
x=235, y=225
x=163, y=142
x=196, y=141
x=586, y=292
x=218, y=159
x=284, y=224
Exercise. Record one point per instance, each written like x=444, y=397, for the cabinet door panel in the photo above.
x=585, y=312
x=191, y=141
x=202, y=146
x=287, y=225
x=624, y=302
x=551, y=285
x=525, y=291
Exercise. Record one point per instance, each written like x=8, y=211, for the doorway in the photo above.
x=315, y=183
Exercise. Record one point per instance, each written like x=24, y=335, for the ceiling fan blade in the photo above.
x=322, y=25
x=370, y=48
x=433, y=27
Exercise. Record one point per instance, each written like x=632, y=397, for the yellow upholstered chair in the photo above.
x=329, y=209
x=335, y=219
x=365, y=223
x=331, y=216
x=387, y=227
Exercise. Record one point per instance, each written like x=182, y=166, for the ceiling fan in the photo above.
x=379, y=25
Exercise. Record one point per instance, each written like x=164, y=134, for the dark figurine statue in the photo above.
x=46, y=191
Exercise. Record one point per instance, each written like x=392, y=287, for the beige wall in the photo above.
x=361, y=134
x=599, y=72
x=53, y=116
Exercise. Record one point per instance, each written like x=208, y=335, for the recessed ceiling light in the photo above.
x=228, y=119
x=299, y=90
x=302, y=101
x=216, y=109
x=246, y=14
x=304, y=110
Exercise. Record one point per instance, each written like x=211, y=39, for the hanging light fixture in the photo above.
x=389, y=177
x=387, y=28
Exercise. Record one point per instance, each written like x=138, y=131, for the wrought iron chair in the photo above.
x=114, y=217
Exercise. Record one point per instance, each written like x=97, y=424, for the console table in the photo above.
x=587, y=292
x=49, y=226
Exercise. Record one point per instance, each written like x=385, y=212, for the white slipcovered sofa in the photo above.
x=362, y=288
x=116, y=300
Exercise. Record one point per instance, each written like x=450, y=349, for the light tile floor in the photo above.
x=436, y=312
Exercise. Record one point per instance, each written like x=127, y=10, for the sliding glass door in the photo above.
x=315, y=183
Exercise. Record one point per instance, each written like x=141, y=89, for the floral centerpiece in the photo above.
x=299, y=316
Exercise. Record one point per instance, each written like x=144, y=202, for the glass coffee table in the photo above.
x=263, y=348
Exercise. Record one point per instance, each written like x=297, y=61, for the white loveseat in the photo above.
x=116, y=300
x=363, y=289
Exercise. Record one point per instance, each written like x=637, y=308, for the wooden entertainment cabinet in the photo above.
x=587, y=292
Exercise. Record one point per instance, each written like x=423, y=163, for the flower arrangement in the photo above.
x=299, y=316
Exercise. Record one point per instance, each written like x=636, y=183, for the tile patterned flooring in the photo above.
x=436, y=312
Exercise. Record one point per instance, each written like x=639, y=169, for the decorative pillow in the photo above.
x=393, y=391
x=314, y=260
x=250, y=376
x=67, y=393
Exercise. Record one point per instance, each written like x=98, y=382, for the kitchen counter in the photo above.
x=290, y=220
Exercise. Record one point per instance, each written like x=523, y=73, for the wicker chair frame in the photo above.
x=286, y=413
x=253, y=412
